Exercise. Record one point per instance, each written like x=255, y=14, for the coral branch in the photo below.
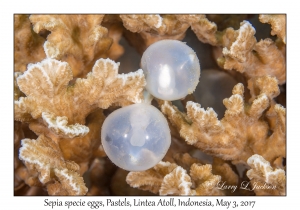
x=205, y=31
x=59, y=126
x=253, y=58
x=170, y=179
x=150, y=179
x=152, y=28
x=178, y=182
x=242, y=132
x=241, y=51
x=77, y=39
x=44, y=160
x=47, y=88
x=28, y=45
x=205, y=181
x=264, y=179
x=278, y=23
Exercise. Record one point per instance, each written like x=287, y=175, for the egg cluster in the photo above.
x=137, y=137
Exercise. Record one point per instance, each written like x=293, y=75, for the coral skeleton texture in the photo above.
x=170, y=179
x=240, y=133
x=28, y=44
x=262, y=172
x=44, y=161
x=278, y=23
x=72, y=71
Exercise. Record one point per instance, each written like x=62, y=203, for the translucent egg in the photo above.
x=171, y=68
x=136, y=137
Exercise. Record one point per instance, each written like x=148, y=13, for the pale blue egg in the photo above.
x=136, y=137
x=171, y=68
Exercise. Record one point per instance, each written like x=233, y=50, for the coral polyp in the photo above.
x=136, y=137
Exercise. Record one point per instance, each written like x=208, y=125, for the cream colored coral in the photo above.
x=242, y=132
x=77, y=39
x=205, y=31
x=59, y=126
x=161, y=24
x=170, y=179
x=241, y=51
x=78, y=149
x=139, y=23
x=264, y=179
x=152, y=178
x=220, y=167
x=67, y=113
x=44, y=160
x=253, y=58
x=178, y=182
x=186, y=161
x=82, y=149
x=51, y=98
x=152, y=28
x=278, y=24
x=205, y=181
x=28, y=45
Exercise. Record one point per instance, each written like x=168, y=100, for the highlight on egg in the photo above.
x=136, y=137
x=171, y=68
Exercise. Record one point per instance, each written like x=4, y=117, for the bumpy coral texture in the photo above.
x=253, y=58
x=242, y=52
x=77, y=39
x=59, y=110
x=170, y=179
x=57, y=103
x=152, y=28
x=242, y=132
x=67, y=80
x=44, y=162
x=28, y=46
x=278, y=23
x=262, y=174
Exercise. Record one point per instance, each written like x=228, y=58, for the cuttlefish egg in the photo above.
x=171, y=68
x=136, y=137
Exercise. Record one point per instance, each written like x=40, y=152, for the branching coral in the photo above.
x=278, y=23
x=81, y=149
x=28, y=46
x=66, y=82
x=264, y=179
x=220, y=167
x=59, y=110
x=170, y=179
x=242, y=132
x=244, y=54
x=57, y=104
x=241, y=51
x=44, y=162
x=77, y=39
x=205, y=31
x=152, y=28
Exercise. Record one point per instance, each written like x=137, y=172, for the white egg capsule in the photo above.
x=136, y=137
x=171, y=68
